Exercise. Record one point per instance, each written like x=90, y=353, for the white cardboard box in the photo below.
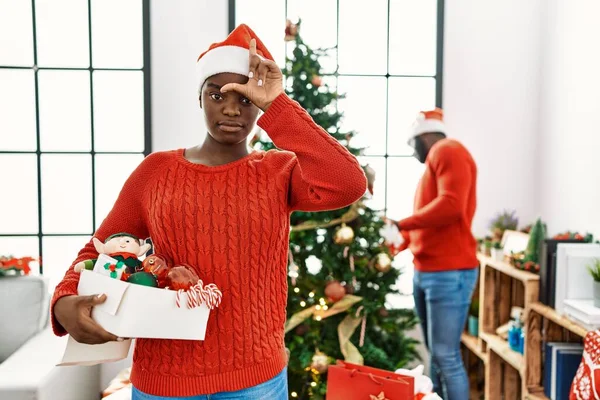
x=133, y=311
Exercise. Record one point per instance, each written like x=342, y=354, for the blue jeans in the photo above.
x=274, y=389
x=442, y=301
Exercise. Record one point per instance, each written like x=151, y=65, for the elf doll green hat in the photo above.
x=230, y=55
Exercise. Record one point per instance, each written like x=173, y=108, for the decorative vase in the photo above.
x=596, y=294
x=498, y=254
x=473, y=326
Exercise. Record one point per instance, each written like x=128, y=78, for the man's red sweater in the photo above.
x=231, y=223
x=439, y=231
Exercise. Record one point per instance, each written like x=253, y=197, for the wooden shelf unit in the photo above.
x=501, y=286
x=544, y=324
x=472, y=343
x=503, y=350
x=509, y=374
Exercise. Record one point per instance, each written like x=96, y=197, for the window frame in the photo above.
x=145, y=69
x=404, y=299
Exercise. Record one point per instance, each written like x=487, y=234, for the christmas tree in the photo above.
x=339, y=264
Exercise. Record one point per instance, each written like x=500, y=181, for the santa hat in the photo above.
x=230, y=55
x=428, y=121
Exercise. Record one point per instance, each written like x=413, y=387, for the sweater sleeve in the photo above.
x=454, y=179
x=125, y=216
x=324, y=175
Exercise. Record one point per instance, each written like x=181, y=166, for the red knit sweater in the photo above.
x=439, y=232
x=231, y=223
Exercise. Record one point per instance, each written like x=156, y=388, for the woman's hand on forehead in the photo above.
x=265, y=81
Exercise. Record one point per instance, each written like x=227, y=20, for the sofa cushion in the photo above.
x=31, y=373
x=24, y=309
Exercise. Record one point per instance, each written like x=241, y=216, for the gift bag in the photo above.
x=347, y=381
x=586, y=385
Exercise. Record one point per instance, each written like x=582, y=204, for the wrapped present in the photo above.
x=120, y=382
x=423, y=384
x=348, y=381
x=586, y=385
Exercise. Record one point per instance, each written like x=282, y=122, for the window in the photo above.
x=75, y=120
x=388, y=62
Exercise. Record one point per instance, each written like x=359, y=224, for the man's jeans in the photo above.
x=442, y=301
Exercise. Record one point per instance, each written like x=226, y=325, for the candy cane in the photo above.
x=178, y=296
x=195, y=294
x=210, y=295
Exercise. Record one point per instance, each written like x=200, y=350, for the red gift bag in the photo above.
x=347, y=381
x=586, y=385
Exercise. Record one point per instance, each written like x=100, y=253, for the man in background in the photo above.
x=439, y=236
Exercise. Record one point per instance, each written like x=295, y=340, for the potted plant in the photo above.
x=474, y=318
x=497, y=251
x=595, y=272
x=506, y=220
x=487, y=247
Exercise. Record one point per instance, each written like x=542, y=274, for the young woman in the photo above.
x=225, y=211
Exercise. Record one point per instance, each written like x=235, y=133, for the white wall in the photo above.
x=491, y=91
x=569, y=134
x=179, y=31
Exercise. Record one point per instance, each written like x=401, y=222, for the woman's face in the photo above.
x=229, y=117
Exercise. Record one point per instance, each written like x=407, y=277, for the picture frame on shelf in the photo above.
x=514, y=242
x=572, y=277
x=548, y=269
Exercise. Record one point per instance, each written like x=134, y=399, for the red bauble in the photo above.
x=335, y=291
x=181, y=277
x=157, y=266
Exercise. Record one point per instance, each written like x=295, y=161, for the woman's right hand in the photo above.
x=74, y=313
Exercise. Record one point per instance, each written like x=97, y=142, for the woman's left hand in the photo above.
x=265, y=81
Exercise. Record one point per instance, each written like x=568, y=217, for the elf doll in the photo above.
x=123, y=247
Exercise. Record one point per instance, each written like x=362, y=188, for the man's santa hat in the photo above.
x=428, y=121
x=231, y=55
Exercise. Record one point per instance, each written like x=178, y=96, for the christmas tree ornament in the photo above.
x=143, y=278
x=320, y=362
x=181, y=277
x=335, y=291
x=316, y=81
x=302, y=329
x=156, y=265
x=383, y=262
x=384, y=312
x=344, y=235
x=349, y=288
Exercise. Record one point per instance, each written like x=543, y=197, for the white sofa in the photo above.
x=31, y=373
x=29, y=351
